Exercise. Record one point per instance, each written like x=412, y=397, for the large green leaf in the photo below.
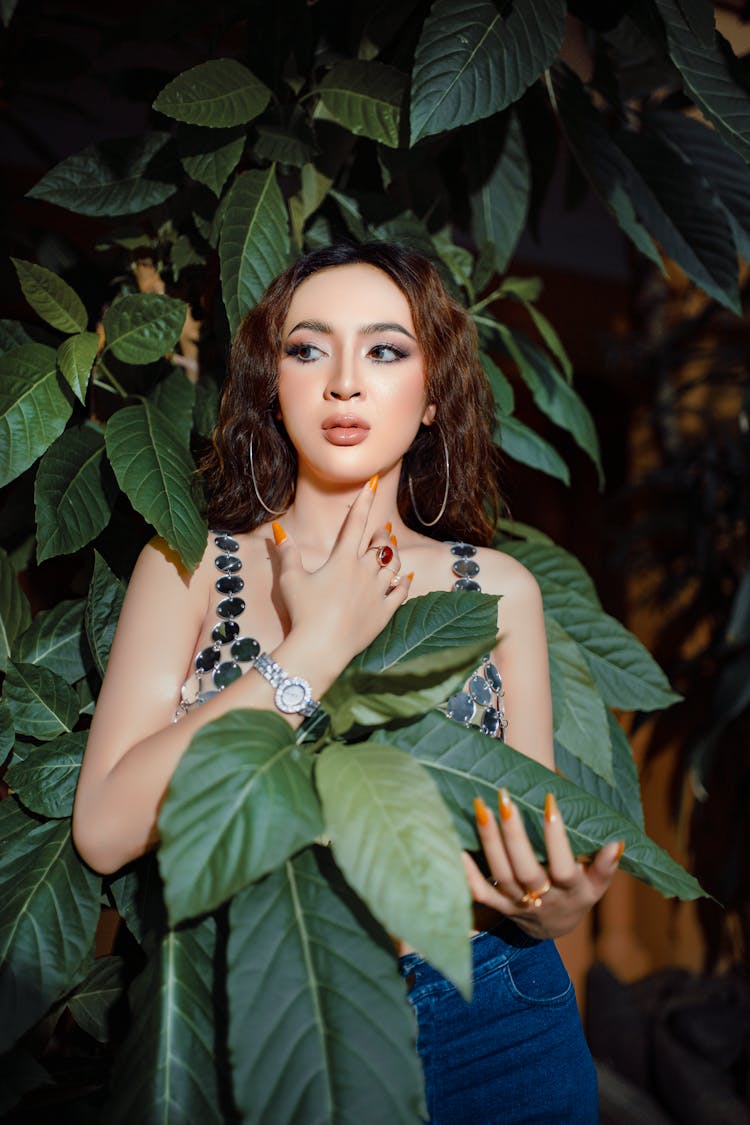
x=366, y=98
x=605, y=166
x=111, y=178
x=93, y=1000
x=46, y=780
x=74, y=492
x=15, y=612
x=103, y=604
x=466, y=764
x=138, y=898
x=34, y=407
x=7, y=731
x=154, y=468
x=393, y=839
x=240, y=802
x=624, y=671
x=685, y=216
x=500, y=385
x=75, y=357
x=12, y=333
x=499, y=205
x=219, y=93
x=56, y=639
x=51, y=297
x=554, y=568
x=525, y=445
x=319, y=1029
x=142, y=327
x=625, y=795
x=175, y=397
x=281, y=145
x=254, y=243
x=15, y=826
x=580, y=717
x=50, y=908
x=41, y=703
x=471, y=61
x=166, y=1070
x=209, y=156
x=708, y=76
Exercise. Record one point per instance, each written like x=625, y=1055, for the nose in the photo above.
x=344, y=382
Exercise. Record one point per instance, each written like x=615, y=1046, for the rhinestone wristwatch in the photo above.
x=293, y=694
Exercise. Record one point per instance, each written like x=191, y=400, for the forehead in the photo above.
x=356, y=293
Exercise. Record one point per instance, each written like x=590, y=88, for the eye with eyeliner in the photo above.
x=379, y=353
x=297, y=351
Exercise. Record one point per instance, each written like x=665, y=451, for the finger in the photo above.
x=528, y=872
x=561, y=863
x=288, y=551
x=353, y=530
x=602, y=871
x=500, y=868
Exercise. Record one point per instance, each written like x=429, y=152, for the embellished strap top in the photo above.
x=231, y=653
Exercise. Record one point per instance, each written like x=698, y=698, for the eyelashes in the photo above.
x=379, y=353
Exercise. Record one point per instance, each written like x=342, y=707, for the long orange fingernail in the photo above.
x=620, y=850
x=505, y=805
x=279, y=535
x=389, y=528
x=550, y=808
x=410, y=575
x=394, y=541
x=481, y=812
x=373, y=482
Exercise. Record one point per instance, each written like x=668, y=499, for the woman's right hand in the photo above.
x=342, y=606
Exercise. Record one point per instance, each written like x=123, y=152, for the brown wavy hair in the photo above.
x=455, y=382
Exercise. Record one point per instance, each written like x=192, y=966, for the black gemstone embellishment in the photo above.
x=225, y=632
x=228, y=563
x=229, y=584
x=466, y=584
x=230, y=607
x=206, y=659
x=465, y=568
x=460, y=707
x=480, y=690
x=463, y=550
x=226, y=543
x=226, y=674
x=493, y=677
x=490, y=721
x=245, y=649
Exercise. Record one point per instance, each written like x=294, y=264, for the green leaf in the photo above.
x=319, y=1026
x=7, y=731
x=458, y=259
x=138, y=898
x=393, y=839
x=284, y=146
x=626, y=675
x=555, y=569
x=118, y=177
x=500, y=205
x=219, y=93
x=314, y=187
x=625, y=795
x=685, y=216
x=366, y=98
x=166, y=1070
x=240, y=802
x=209, y=156
x=606, y=167
x=525, y=445
x=551, y=339
x=15, y=612
x=580, y=717
x=524, y=530
x=11, y=335
x=142, y=327
x=51, y=297
x=56, y=640
x=553, y=394
x=254, y=242
x=34, y=407
x=41, y=703
x=708, y=76
x=103, y=605
x=75, y=358
x=154, y=468
x=92, y=1002
x=16, y=827
x=46, y=780
x=466, y=764
x=175, y=397
x=50, y=908
x=471, y=62
x=74, y=492
x=502, y=391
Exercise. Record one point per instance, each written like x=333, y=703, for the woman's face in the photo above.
x=351, y=374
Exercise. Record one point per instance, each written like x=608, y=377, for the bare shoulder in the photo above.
x=161, y=570
x=504, y=575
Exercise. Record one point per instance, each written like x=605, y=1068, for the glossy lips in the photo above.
x=345, y=429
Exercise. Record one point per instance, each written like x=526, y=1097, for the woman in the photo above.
x=356, y=414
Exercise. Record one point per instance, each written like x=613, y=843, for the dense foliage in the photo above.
x=429, y=124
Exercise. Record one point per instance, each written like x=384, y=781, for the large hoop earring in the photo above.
x=261, y=501
x=431, y=523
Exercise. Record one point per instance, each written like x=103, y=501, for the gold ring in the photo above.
x=534, y=898
x=383, y=554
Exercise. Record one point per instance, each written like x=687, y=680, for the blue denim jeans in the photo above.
x=515, y=1054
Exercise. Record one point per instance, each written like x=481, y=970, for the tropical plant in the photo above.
x=264, y=982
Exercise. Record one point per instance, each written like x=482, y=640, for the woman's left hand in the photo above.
x=544, y=901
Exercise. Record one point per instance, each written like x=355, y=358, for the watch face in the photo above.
x=292, y=695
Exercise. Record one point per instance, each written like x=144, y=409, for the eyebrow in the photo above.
x=366, y=329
